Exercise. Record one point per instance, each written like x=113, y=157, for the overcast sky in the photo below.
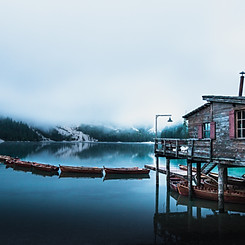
x=113, y=61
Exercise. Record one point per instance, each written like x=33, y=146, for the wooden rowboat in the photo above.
x=230, y=180
x=212, y=194
x=45, y=167
x=88, y=170
x=134, y=170
x=175, y=180
x=24, y=164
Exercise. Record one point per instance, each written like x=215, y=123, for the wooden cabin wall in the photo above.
x=196, y=119
x=223, y=146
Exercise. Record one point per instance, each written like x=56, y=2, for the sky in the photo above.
x=117, y=62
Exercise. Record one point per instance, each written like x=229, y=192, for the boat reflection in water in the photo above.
x=44, y=173
x=126, y=176
x=32, y=170
x=80, y=175
x=197, y=221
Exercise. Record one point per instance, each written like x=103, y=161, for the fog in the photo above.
x=116, y=62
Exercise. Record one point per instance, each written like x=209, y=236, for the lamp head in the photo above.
x=170, y=119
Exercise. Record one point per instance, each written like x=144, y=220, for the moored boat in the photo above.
x=81, y=169
x=25, y=164
x=175, y=180
x=3, y=158
x=134, y=170
x=212, y=194
x=230, y=180
x=45, y=167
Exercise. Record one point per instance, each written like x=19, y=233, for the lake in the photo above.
x=40, y=209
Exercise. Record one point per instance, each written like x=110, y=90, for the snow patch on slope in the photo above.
x=74, y=134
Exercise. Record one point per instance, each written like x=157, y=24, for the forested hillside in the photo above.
x=102, y=133
x=175, y=131
x=11, y=130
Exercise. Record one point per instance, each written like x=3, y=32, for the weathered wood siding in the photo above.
x=195, y=120
x=223, y=146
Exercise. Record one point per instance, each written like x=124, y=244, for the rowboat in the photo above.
x=4, y=158
x=88, y=170
x=175, y=180
x=45, y=167
x=184, y=167
x=25, y=164
x=230, y=179
x=134, y=170
x=212, y=194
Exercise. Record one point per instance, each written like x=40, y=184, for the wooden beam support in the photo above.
x=157, y=163
x=221, y=188
x=189, y=176
x=225, y=177
x=168, y=173
x=198, y=173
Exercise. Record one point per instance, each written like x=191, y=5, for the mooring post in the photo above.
x=199, y=213
x=157, y=163
x=225, y=177
x=198, y=173
x=157, y=192
x=221, y=188
x=168, y=173
x=189, y=176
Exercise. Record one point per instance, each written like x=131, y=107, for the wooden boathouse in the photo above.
x=216, y=138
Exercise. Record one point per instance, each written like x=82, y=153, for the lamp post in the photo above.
x=169, y=120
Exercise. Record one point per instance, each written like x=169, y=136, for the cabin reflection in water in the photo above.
x=198, y=222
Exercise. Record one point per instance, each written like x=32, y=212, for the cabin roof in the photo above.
x=217, y=99
x=196, y=110
x=225, y=99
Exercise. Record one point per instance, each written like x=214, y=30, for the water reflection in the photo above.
x=76, y=153
x=126, y=176
x=198, y=223
x=87, y=210
x=81, y=175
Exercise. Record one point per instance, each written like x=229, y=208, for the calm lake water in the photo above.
x=39, y=209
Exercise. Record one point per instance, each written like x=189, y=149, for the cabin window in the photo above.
x=240, y=124
x=206, y=130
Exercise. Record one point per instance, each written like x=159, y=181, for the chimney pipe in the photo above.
x=241, y=83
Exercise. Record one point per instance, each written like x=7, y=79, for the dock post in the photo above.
x=157, y=192
x=198, y=173
x=189, y=176
x=221, y=188
x=225, y=178
x=157, y=163
x=168, y=173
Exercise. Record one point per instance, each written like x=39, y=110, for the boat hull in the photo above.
x=85, y=170
x=45, y=167
x=212, y=194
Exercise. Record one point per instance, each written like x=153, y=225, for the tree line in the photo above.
x=11, y=130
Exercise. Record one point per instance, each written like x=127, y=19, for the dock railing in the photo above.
x=184, y=148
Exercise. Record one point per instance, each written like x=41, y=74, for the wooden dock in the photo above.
x=163, y=170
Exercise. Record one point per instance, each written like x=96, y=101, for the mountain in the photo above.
x=11, y=130
x=110, y=134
